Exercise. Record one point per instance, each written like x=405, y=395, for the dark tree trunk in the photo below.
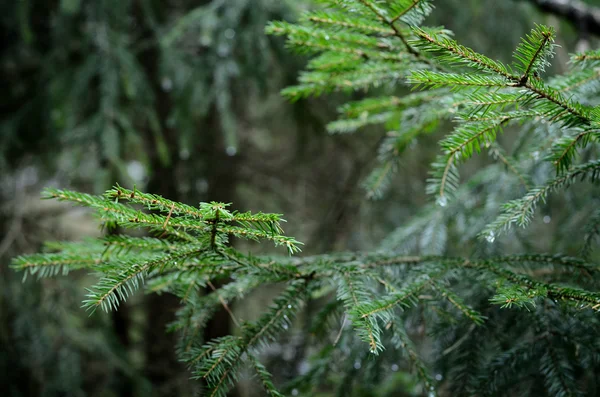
x=221, y=171
x=162, y=368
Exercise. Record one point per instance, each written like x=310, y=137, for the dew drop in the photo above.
x=303, y=368
x=442, y=201
x=547, y=219
x=294, y=392
x=202, y=185
x=205, y=40
x=136, y=170
x=491, y=237
x=231, y=151
x=229, y=34
x=536, y=155
x=223, y=50
x=289, y=306
x=326, y=37
x=395, y=367
x=438, y=377
x=357, y=364
x=166, y=84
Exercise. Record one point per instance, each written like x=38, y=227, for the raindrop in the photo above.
x=205, y=40
x=357, y=364
x=326, y=37
x=184, y=154
x=535, y=155
x=294, y=392
x=442, y=201
x=202, y=185
x=166, y=84
x=285, y=326
x=223, y=50
x=395, y=367
x=231, y=150
x=438, y=377
x=29, y=176
x=136, y=170
x=229, y=34
x=491, y=237
x=547, y=219
x=303, y=368
x=289, y=306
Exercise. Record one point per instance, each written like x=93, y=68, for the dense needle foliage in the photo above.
x=488, y=314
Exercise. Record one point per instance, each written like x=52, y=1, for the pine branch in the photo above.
x=587, y=59
x=219, y=360
x=152, y=201
x=533, y=51
x=49, y=265
x=402, y=342
x=592, y=231
x=563, y=152
x=117, y=286
x=458, y=302
x=456, y=82
x=520, y=211
x=450, y=52
x=264, y=377
x=353, y=292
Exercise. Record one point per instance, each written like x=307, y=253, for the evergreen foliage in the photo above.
x=473, y=319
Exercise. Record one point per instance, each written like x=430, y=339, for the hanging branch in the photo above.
x=586, y=18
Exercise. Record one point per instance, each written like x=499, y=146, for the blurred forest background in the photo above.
x=181, y=98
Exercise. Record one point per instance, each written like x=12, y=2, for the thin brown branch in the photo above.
x=224, y=304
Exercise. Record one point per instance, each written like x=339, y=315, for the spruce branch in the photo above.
x=402, y=9
x=117, y=286
x=402, y=341
x=151, y=201
x=533, y=51
x=563, y=152
x=473, y=315
x=353, y=292
x=592, y=231
x=265, y=377
x=49, y=265
x=587, y=59
x=449, y=51
x=520, y=211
